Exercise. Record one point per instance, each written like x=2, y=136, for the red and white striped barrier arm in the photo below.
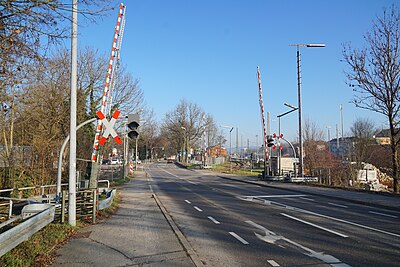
x=106, y=87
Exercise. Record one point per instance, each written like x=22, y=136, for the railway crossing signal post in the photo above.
x=133, y=134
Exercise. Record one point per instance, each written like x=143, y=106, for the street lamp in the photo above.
x=293, y=108
x=299, y=100
x=230, y=142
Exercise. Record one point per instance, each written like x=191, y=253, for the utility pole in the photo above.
x=341, y=120
x=237, y=142
x=73, y=112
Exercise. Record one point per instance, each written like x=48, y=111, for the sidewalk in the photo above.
x=137, y=235
x=379, y=200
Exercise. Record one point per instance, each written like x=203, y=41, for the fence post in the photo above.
x=94, y=205
x=63, y=206
x=10, y=209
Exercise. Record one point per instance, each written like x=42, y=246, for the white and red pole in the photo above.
x=262, y=118
x=107, y=85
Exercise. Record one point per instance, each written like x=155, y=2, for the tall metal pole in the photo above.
x=73, y=112
x=341, y=120
x=237, y=142
x=280, y=151
x=136, y=153
x=300, y=115
x=230, y=146
x=125, y=151
x=301, y=165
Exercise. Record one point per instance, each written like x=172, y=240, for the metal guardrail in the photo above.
x=105, y=203
x=41, y=187
x=21, y=232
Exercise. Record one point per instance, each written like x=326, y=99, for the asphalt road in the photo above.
x=231, y=223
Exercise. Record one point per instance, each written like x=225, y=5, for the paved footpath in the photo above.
x=137, y=235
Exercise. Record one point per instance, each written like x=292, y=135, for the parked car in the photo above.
x=115, y=161
x=106, y=162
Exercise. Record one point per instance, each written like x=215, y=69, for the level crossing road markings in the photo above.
x=314, y=225
x=292, y=208
x=109, y=127
x=271, y=238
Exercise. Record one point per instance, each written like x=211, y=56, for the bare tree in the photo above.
x=363, y=131
x=184, y=125
x=27, y=30
x=314, y=147
x=375, y=76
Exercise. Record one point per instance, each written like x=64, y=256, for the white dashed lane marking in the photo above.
x=273, y=263
x=198, y=209
x=244, y=242
x=213, y=220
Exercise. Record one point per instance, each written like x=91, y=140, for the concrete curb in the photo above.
x=182, y=239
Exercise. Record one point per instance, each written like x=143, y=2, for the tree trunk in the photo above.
x=395, y=158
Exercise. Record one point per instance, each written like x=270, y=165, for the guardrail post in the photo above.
x=63, y=206
x=94, y=205
x=10, y=209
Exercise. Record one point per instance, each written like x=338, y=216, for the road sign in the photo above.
x=109, y=125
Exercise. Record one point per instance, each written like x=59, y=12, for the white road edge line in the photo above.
x=271, y=238
x=314, y=225
x=383, y=214
x=198, y=209
x=244, y=242
x=338, y=205
x=273, y=263
x=187, y=201
x=273, y=196
x=213, y=220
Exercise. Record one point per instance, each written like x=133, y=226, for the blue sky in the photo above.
x=207, y=52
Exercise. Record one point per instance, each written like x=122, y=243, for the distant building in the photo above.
x=383, y=137
x=216, y=151
x=342, y=147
